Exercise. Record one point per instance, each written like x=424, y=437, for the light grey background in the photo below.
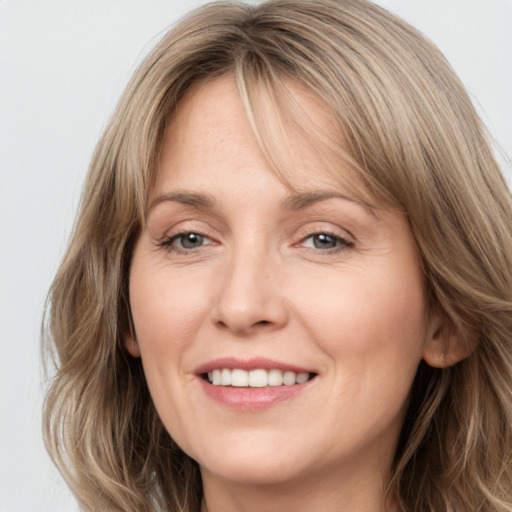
x=63, y=66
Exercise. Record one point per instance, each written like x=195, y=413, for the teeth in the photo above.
x=255, y=378
x=275, y=378
x=225, y=377
x=239, y=378
x=258, y=378
x=302, y=377
x=289, y=378
x=216, y=377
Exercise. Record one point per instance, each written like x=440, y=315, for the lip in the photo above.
x=257, y=363
x=250, y=399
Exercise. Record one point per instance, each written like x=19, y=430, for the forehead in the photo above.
x=290, y=131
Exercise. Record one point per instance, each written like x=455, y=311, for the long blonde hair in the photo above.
x=412, y=135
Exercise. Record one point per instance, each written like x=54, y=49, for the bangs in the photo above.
x=289, y=119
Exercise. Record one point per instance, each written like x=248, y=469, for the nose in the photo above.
x=250, y=298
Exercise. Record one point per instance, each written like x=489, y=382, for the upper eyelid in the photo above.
x=336, y=231
x=169, y=238
x=188, y=225
x=342, y=239
x=168, y=241
x=189, y=208
x=167, y=244
x=162, y=227
x=310, y=231
x=328, y=233
x=220, y=234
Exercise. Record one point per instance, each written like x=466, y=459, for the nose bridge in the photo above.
x=249, y=297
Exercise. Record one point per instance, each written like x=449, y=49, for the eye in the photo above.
x=186, y=241
x=326, y=241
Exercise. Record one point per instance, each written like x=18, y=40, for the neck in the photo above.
x=328, y=492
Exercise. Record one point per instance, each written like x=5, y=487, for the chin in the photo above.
x=260, y=458
x=263, y=473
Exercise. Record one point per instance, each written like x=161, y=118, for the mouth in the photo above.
x=254, y=384
x=257, y=378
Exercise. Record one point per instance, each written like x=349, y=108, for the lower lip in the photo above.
x=251, y=399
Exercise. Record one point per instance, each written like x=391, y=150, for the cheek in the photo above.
x=373, y=322
x=167, y=313
x=374, y=334
x=166, y=310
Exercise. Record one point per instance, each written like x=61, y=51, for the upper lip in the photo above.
x=257, y=363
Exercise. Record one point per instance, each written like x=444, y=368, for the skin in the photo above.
x=259, y=284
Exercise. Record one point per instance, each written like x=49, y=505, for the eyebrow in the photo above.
x=194, y=199
x=305, y=199
x=294, y=202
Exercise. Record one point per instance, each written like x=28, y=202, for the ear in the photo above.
x=446, y=345
x=132, y=345
x=130, y=339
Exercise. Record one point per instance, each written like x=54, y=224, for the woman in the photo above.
x=289, y=284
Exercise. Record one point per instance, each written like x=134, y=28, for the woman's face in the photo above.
x=240, y=279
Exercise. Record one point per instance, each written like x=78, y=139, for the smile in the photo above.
x=258, y=378
x=253, y=384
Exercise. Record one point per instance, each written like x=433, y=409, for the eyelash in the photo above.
x=341, y=244
x=168, y=243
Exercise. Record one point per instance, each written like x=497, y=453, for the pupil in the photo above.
x=324, y=241
x=191, y=240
